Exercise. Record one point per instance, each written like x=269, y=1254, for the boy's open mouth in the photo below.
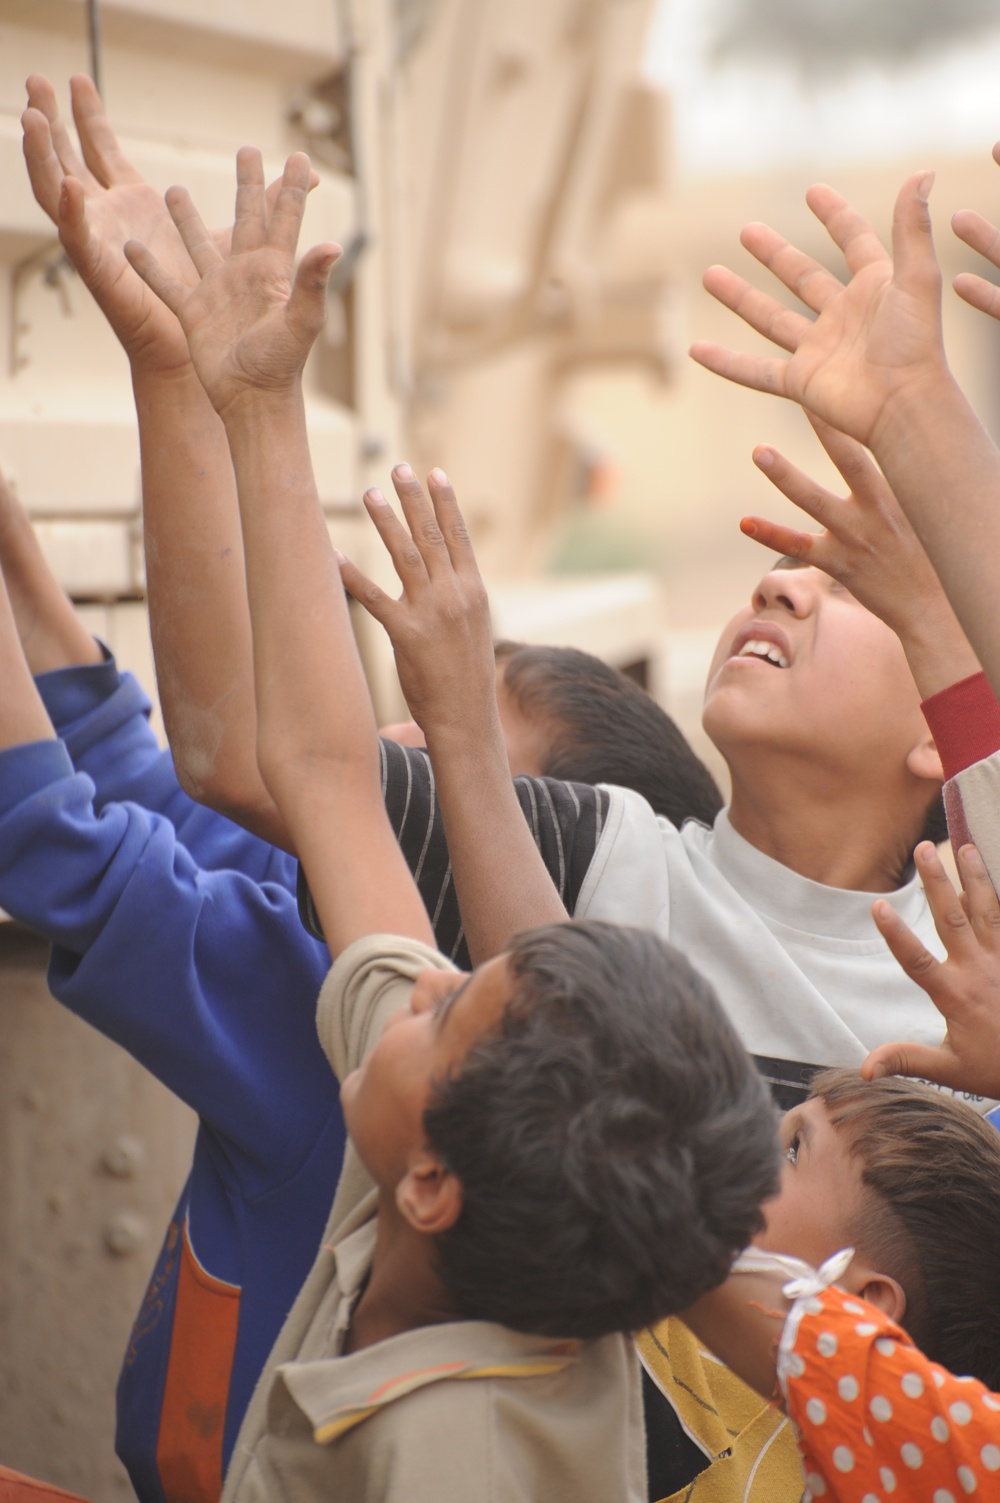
x=766, y=651
x=763, y=640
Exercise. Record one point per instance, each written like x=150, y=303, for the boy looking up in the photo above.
x=519, y=1156
x=801, y=993
x=773, y=904
x=568, y=715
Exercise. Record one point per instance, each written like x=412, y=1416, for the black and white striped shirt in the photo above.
x=566, y=820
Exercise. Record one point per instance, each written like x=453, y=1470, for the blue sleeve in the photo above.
x=103, y=717
x=207, y=978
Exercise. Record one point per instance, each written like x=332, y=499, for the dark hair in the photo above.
x=613, y=1139
x=606, y=729
x=930, y=1215
x=935, y=821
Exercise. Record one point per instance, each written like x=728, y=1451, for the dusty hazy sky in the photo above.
x=741, y=118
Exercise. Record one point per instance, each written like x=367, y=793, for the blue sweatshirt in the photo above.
x=177, y=934
x=203, y=972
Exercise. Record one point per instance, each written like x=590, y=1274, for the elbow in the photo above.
x=230, y=785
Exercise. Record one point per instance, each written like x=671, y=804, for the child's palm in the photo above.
x=249, y=320
x=245, y=327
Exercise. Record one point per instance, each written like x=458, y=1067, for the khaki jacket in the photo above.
x=444, y=1414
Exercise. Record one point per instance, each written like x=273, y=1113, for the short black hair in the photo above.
x=935, y=821
x=613, y=1139
x=606, y=729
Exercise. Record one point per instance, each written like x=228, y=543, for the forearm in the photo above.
x=316, y=733
x=196, y=586
x=502, y=882
x=23, y=717
x=51, y=633
x=945, y=471
x=302, y=637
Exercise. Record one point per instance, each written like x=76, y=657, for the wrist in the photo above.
x=468, y=736
x=937, y=650
x=253, y=410
x=913, y=409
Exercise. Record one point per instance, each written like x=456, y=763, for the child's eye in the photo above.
x=792, y=1151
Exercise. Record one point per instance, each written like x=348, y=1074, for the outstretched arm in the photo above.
x=23, y=717
x=869, y=547
x=194, y=551
x=965, y=988
x=250, y=323
x=440, y=632
x=51, y=633
x=872, y=364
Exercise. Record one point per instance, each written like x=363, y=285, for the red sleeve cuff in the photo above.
x=964, y=720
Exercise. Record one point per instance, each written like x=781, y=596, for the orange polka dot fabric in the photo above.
x=877, y=1422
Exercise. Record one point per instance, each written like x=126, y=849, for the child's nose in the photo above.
x=793, y=590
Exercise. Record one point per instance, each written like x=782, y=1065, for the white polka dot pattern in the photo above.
x=875, y=1421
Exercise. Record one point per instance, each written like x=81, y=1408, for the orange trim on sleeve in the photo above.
x=193, y=1417
x=15, y=1487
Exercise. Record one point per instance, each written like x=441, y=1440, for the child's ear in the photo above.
x=882, y=1291
x=924, y=760
x=429, y=1196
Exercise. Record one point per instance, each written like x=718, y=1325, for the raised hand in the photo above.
x=250, y=319
x=97, y=202
x=440, y=625
x=984, y=237
x=870, y=548
x=874, y=337
x=965, y=988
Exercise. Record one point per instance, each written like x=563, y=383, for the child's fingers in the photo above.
x=407, y=559
x=978, y=233
x=811, y=282
x=762, y=312
x=307, y=305
x=249, y=223
x=950, y=918
x=422, y=521
x=915, y=263
x=290, y=203
x=820, y=504
x=920, y=1060
x=42, y=97
x=200, y=246
x=167, y=288
x=978, y=293
x=846, y=227
x=981, y=903
x=753, y=371
x=44, y=168
x=273, y=189
x=914, y=957
x=787, y=541
x=364, y=590
x=452, y=523
x=853, y=461
x=99, y=144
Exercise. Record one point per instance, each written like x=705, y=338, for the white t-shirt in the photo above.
x=800, y=968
